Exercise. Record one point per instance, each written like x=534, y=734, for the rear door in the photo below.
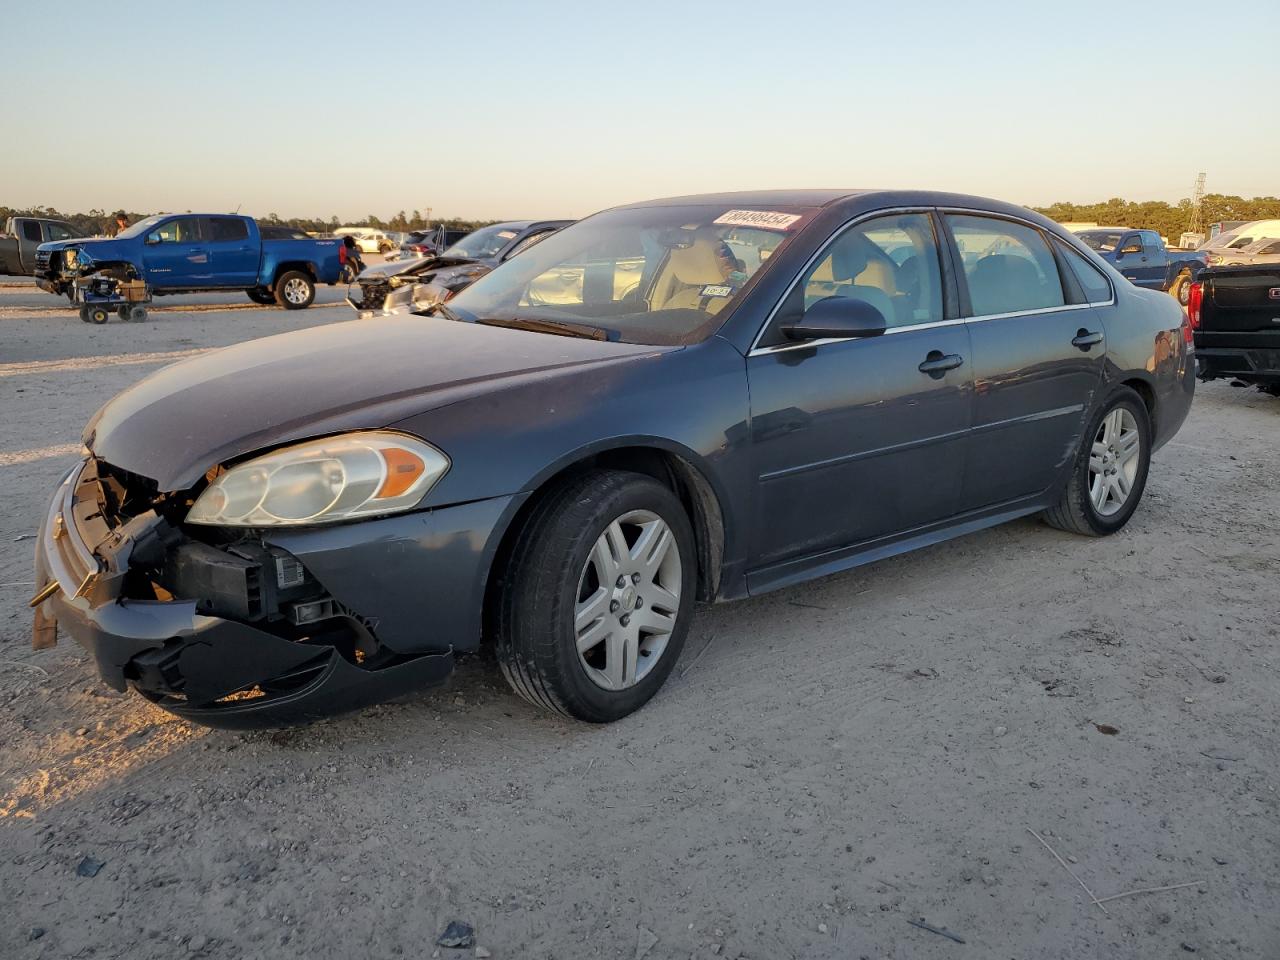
x=174, y=255
x=233, y=252
x=859, y=440
x=1038, y=355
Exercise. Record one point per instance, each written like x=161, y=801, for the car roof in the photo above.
x=527, y=224
x=868, y=199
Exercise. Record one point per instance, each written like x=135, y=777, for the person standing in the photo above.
x=122, y=223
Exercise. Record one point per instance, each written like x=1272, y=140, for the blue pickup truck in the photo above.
x=188, y=252
x=1142, y=257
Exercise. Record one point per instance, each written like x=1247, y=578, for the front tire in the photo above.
x=598, y=596
x=295, y=290
x=1110, y=469
x=99, y=314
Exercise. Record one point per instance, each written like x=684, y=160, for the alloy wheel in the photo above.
x=1113, y=461
x=628, y=600
x=295, y=290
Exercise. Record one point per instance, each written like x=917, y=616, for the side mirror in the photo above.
x=837, y=318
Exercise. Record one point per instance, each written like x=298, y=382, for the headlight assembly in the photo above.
x=346, y=477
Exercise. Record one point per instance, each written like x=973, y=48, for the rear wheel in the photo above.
x=295, y=290
x=1181, y=289
x=136, y=313
x=1110, y=470
x=598, y=598
x=84, y=314
x=99, y=314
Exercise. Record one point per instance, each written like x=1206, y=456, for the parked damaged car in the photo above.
x=416, y=285
x=703, y=398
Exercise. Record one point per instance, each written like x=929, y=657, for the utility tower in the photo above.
x=1197, y=201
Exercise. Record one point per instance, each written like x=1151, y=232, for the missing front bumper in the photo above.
x=211, y=668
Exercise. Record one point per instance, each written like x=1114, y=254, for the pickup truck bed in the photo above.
x=1235, y=313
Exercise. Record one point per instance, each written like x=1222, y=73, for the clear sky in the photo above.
x=510, y=109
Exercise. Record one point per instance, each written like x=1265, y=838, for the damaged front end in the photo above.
x=228, y=628
x=416, y=289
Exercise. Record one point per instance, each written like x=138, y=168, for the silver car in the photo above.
x=1266, y=250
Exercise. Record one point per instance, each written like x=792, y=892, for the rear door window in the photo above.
x=1008, y=266
x=227, y=229
x=31, y=231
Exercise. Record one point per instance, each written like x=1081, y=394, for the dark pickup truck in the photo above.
x=20, y=238
x=187, y=252
x=1142, y=257
x=1235, y=315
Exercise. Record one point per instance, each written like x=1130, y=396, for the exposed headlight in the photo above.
x=322, y=481
x=71, y=258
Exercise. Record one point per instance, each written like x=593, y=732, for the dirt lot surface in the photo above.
x=826, y=764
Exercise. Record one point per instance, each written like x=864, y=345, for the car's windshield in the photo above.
x=657, y=274
x=1104, y=241
x=139, y=228
x=485, y=242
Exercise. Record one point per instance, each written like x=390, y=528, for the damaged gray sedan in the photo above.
x=705, y=398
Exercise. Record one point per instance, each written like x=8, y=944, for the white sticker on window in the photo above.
x=506, y=234
x=764, y=219
x=717, y=290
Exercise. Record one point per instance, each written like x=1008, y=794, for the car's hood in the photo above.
x=416, y=265
x=180, y=421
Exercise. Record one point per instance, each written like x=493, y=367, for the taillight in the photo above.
x=1195, y=297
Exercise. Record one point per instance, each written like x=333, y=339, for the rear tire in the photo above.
x=84, y=314
x=295, y=290
x=575, y=629
x=137, y=313
x=1181, y=289
x=99, y=314
x=1109, y=472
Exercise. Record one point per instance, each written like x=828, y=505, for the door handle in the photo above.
x=937, y=363
x=1084, y=339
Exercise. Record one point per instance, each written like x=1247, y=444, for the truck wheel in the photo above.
x=264, y=297
x=1181, y=289
x=295, y=290
x=99, y=314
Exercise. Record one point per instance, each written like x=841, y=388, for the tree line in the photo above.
x=97, y=222
x=1169, y=220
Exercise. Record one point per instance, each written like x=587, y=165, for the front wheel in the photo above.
x=1110, y=469
x=99, y=314
x=295, y=290
x=597, y=601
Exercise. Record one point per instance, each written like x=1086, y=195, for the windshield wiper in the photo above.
x=444, y=311
x=558, y=327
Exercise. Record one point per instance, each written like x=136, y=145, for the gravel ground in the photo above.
x=826, y=764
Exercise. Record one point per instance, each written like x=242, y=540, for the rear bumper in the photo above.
x=1241, y=363
x=418, y=597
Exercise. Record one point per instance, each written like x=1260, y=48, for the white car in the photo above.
x=368, y=239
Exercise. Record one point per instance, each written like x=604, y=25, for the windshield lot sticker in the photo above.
x=716, y=290
x=764, y=219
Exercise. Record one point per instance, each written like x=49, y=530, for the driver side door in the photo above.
x=175, y=255
x=858, y=441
